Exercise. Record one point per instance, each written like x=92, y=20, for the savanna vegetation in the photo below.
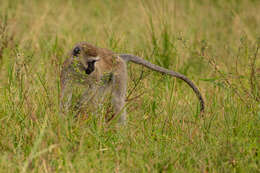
x=213, y=42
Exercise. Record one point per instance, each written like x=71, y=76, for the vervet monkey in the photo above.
x=99, y=71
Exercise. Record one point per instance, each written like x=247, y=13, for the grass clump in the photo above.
x=214, y=43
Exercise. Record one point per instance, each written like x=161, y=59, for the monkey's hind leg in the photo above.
x=119, y=87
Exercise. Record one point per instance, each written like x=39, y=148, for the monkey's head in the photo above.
x=86, y=55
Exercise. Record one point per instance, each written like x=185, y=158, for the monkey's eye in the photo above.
x=76, y=51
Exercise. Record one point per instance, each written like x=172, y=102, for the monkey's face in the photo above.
x=85, y=57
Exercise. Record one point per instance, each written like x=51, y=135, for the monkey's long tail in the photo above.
x=138, y=60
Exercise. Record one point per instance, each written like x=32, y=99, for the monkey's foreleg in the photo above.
x=85, y=102
x=65, y=98
x=91, y=99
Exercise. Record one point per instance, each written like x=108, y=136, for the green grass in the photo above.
x=215, y=43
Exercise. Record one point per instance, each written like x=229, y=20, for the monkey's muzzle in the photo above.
x=91, y=65
x=90, y=68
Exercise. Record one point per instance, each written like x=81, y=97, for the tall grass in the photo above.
x=215, y=43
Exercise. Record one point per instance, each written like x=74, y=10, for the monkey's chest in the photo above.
x=92, y=97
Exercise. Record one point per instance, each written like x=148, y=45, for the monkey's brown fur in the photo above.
x=100, y=70
x=109, y=75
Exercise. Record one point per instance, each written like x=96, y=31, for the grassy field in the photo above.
x=213, y=42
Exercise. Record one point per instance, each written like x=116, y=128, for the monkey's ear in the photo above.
x=76, y=51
